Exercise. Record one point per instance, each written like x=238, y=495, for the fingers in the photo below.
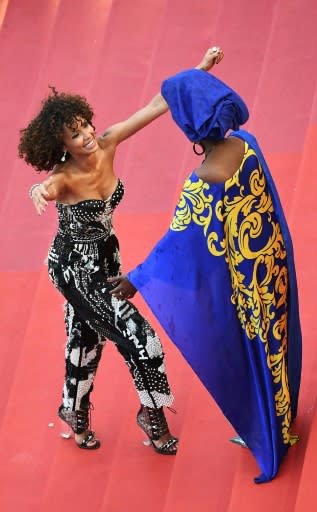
x=39, y=200
x=216, y=53
x=117, y=285
x=213, y=56
x=220, y=56
x=37, y=193
x=113, y=279
x=120, y=293
x=123, y=289
x=118, y=290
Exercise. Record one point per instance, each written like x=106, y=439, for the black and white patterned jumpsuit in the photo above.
x=84, y=253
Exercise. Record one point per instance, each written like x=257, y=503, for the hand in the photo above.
x=212, y=56
x=123, y=289
x=38, y=194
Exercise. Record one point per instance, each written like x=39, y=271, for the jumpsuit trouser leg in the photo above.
x=142, y=353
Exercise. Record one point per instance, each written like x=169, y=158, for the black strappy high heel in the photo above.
x=154, y=424
x=79, y=423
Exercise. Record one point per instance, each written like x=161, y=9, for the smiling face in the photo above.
x=79, y=138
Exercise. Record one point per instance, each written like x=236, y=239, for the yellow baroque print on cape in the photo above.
x=254, y=250
x=197, y=206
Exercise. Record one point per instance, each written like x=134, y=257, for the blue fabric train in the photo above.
x=222, y=280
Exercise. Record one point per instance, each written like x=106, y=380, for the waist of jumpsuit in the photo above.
x=84, y=235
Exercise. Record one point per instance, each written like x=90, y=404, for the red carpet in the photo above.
x=116, y=53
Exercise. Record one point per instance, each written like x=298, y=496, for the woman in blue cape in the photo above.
x=222, y=280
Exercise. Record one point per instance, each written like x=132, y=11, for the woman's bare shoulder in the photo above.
x=223, y=161
x=236, y=142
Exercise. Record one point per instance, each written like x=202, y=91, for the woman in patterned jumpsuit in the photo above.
x=85, y=254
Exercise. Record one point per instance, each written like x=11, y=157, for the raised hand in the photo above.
x=212, y=56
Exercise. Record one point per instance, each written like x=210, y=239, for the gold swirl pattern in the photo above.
x=243, y=228
x=201, y=211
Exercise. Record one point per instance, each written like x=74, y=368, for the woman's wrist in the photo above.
x=201, y=67
x=32, y=188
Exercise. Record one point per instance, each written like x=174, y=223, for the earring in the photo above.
x=63, y=158
x=202, y=147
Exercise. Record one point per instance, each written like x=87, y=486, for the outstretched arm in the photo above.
x=49, y=190
x=155, y=108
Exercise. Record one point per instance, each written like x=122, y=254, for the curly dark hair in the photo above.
x=41, y=142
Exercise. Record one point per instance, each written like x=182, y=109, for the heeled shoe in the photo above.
x=89, y=438
x=78, y=421
x=154, y=424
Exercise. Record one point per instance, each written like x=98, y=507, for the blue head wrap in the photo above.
x=202, y=105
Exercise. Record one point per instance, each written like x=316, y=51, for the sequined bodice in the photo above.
x=88, y=220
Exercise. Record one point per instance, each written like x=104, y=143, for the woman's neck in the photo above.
x=209, y=145
x=87, y=163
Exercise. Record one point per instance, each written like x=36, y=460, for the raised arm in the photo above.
x=52, y=188
x=121, y=131
x=155, y=108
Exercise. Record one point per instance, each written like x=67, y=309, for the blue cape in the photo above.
x=238, y=328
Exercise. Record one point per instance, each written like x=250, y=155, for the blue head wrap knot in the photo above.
x=202, y=105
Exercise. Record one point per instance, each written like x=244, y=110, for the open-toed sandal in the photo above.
x=90, y=442
x=154, y=424
x=79, y=422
